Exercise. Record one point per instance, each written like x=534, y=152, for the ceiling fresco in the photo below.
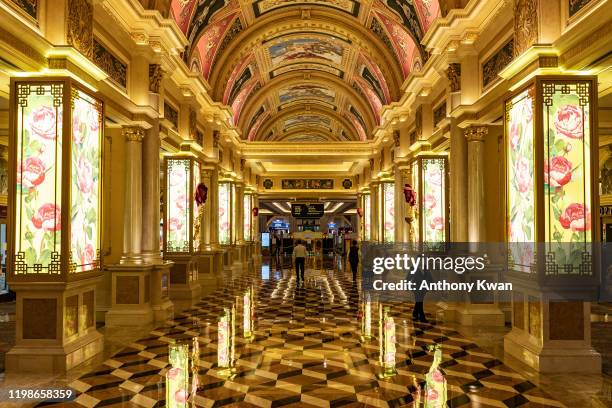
x=312, y=138
x=306, y=92
x=335, y=63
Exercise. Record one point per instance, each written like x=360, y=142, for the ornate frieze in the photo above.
x=79, y=27
x=216, y=136
x=413, y=137
x=497, y=62
x=439, y=113
x=155, y=77
x=396, y=138
x=193, y=124
x=171, y=114
x=29, y=6
x=110, y=64
x=525, y=25
x=576, y=5
x=453, y=73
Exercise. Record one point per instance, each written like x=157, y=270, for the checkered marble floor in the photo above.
x=307, y=352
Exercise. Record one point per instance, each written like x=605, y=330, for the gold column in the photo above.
x=476, y=207
x=458, y=184
x=150, y=196
x=132, y=217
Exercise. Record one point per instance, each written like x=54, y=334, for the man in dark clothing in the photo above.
x=353, y=257
x=418, y=313
x=299, y=256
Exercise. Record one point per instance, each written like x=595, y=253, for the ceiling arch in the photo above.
x=260, y=58
x=317, y=89
x=306, y=118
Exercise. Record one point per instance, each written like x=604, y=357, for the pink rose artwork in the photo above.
x=175, y=224
x=88, y=255
x=434, y=176
x=177, y=176
x=429, y=201
x=523, y=177
x=432, y=395
x=85, y=180
x=31, y=173
x=437, y=223
x=576, y=217
x=43, y=123
x=568, y=122
x=48, y=218
x=437, y=376
x=388, y=226
x=180, y=201
x=559, y=173
x=514, y=135
x=173, y=373
x=181, y=396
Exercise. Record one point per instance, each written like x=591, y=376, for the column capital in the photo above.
x=133, y=133
x=476, y=133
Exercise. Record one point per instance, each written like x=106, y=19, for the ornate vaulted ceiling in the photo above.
x=305, y=70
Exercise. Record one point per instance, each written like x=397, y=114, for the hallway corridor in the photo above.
x=307, y=352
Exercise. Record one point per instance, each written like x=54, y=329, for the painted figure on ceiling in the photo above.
x=406, y=10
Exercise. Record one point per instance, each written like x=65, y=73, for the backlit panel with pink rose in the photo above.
x=38, y=200
x=417, y=207
x=388, y=212
x=224, y=213
x=85, y=181
x=567, y=169
x=433, y=202
x=246, y=215
x=520, y=155
x=178, y=205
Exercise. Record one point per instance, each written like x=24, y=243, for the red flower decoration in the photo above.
x=559, y=173
x=31, y=173
x=568, y=122
x=576, y=217
x=48, y=218
x=43, y=123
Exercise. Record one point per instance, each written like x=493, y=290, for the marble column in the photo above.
x=132, y=218
x=458, y=185
x=150, y=196
x=475, y=183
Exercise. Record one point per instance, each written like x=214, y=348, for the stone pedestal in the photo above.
x=139, y=295
x=56, y=327
x=210, y=268
x=184, y=283
x=551, y=336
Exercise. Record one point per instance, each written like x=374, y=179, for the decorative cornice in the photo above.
x=133, y=133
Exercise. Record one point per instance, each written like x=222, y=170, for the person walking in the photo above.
x=299, y=259
x=353, y=257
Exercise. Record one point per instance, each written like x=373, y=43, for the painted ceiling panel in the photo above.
x=348, y=57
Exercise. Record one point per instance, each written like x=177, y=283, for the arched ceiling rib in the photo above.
x=341, y=59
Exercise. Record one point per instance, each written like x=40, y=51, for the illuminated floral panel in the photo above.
x=178, y=205
x=433, y=203
x=246, y=213
x=389, y=212
x=366, y=217
x=85, y=181
x=521, y=194
x=567, y=169
x=197, y=171
x=224, y=340
x=224, y=214
x=39, y=178
x=417, y=207
x=177, y=376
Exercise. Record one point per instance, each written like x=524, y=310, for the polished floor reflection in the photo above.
x=307, y=349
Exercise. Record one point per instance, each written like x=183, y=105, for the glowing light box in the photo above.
x=56, y=165
x=430, y=181
x=550, y=143
x=182, y=175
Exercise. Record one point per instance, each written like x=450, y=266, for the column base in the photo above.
x=184, y=278
x=136, y=295
x=555, y=357
x=479, y=315
x=54, y=360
